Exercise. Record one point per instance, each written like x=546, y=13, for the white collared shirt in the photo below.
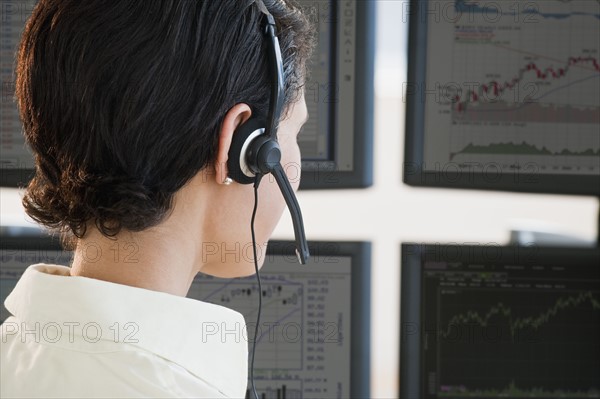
x=73, y=336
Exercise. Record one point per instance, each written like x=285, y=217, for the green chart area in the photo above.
x=518, y=344
x=513, y=391
x=523, y=148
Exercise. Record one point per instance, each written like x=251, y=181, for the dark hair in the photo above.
x=122, y=101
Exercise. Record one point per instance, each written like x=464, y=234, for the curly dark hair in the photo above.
x=121, y=101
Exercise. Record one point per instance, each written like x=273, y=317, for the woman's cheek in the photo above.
x=293, y=164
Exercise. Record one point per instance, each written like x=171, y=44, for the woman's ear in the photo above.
x=235, y=117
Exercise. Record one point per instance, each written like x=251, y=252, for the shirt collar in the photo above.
x=208, y=340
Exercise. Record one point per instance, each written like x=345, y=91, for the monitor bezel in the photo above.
x=361, y=175
x=16, y=177
x=29, y=239
x=411, y=260
x=526, y=181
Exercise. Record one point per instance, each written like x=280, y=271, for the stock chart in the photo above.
x=510, y=329
x=517, y=82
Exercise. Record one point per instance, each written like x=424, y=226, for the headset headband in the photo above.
x=276, y=69
x=262, y=152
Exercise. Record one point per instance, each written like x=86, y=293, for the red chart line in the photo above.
x=531, y=67
x=515, y=50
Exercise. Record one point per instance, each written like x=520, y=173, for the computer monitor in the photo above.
x=313, y=335
x=314, y=331
x=499, y=321
x=337, y=141
x=503, y=95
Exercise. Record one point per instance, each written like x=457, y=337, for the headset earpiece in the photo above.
x=237, y=161
x=264, y=154
x=252, y=152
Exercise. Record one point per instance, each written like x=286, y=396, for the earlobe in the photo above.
x=235, y=117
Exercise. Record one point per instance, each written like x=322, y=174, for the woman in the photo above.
x=130, y=108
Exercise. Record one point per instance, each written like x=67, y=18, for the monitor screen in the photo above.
x=313, y=336
x=504, y=95
x=336, y=142
x=492, y=321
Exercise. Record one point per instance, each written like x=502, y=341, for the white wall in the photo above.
x=389, y=212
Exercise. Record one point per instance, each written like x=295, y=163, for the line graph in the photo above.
x=525, y=337
x=522, y=148
x=500, y=309
x=303, y=339
x=496, y=107
x=531, y=8
x=283, y=303
x=497, y=89
x=512, y=390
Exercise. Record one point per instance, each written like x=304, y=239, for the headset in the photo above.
x=255, y=152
